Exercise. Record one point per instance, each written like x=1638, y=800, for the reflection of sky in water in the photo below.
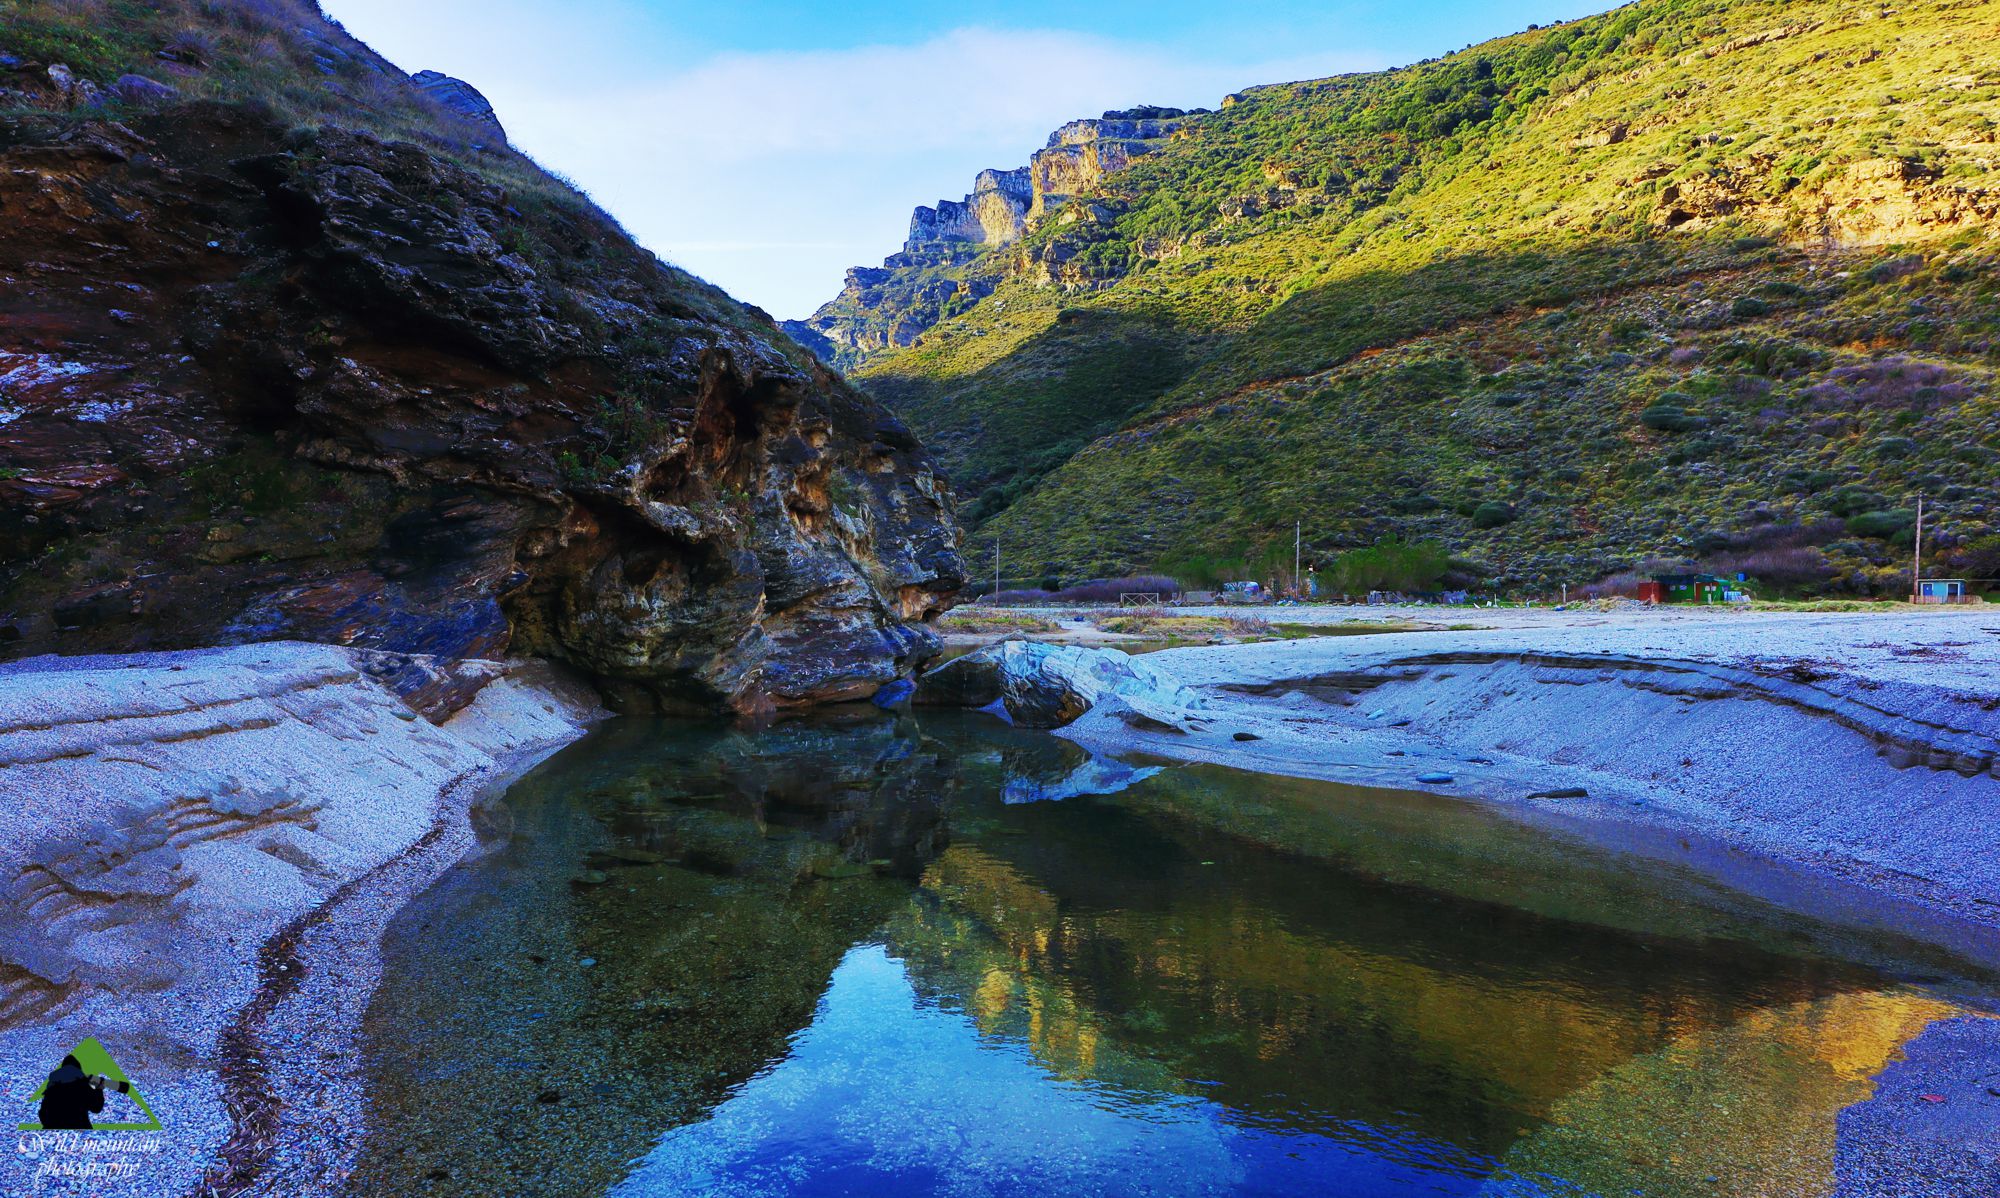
x=887, y=1095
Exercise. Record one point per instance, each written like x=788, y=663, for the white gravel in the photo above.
x=1858, y=745
x=161, y=815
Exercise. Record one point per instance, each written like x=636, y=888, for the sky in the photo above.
x=768, y=145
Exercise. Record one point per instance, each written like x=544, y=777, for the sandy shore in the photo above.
x=204, y=849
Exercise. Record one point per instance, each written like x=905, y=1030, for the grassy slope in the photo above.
x=1526, y=303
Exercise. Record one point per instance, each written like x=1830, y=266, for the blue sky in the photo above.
x=769, y=145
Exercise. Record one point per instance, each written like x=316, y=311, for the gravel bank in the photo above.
x=202, y=849
x=1858, y=745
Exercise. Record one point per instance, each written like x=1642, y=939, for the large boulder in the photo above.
x=1048, y=686
x=339, y=389
x=459, y=97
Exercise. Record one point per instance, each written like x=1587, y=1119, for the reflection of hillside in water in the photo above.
x=1126, y=946
x=1315, y=958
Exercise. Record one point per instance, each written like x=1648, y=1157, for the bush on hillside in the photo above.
x=1107, y=590
x=1785, y=568
x=1492, y=515
x=1097, y=590
x=1893, y=382
x=1882, y=525
x=1666, y=418
x=1852, y=501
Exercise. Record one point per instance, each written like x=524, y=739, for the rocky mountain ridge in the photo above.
x=891, y=305
x=296, y=351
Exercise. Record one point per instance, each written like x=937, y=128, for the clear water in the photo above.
x=935, y=955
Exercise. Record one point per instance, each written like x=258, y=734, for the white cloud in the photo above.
x=770, y=173
x=970, y=85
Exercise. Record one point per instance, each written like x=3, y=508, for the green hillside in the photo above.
x=1704, y=279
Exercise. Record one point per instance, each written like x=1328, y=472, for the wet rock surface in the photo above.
x=261, y=381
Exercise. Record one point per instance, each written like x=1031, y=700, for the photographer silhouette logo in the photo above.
x=88, y=1082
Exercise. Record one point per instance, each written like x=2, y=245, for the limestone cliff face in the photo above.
x=993, y=214
x=266, y=380
x=1081, y=153
x=890, y=306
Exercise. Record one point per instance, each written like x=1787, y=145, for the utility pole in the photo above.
x=996, y=566
x=1298, y=542
x=1917, y=569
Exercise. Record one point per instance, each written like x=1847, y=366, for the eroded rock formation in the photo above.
x=891, y=305
x=261, y=380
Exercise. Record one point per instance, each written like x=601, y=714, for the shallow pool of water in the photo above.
x=936, y=955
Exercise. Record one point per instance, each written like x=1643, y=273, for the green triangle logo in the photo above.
x=98, y=1063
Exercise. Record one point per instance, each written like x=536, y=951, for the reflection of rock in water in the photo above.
x=1096, y=776
x=1748, y=1109
x=870, y=789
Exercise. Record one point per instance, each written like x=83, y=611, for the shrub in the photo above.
x=1107, y=590
x=1882, y=525
x=1388, y=565
x=1851, y=501
x=1097, y=590
x=1749, y=307
x=1666, y=418
x=1895, y=382
x=1492, y=515
x=1788, y=568
x=1979, y=558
